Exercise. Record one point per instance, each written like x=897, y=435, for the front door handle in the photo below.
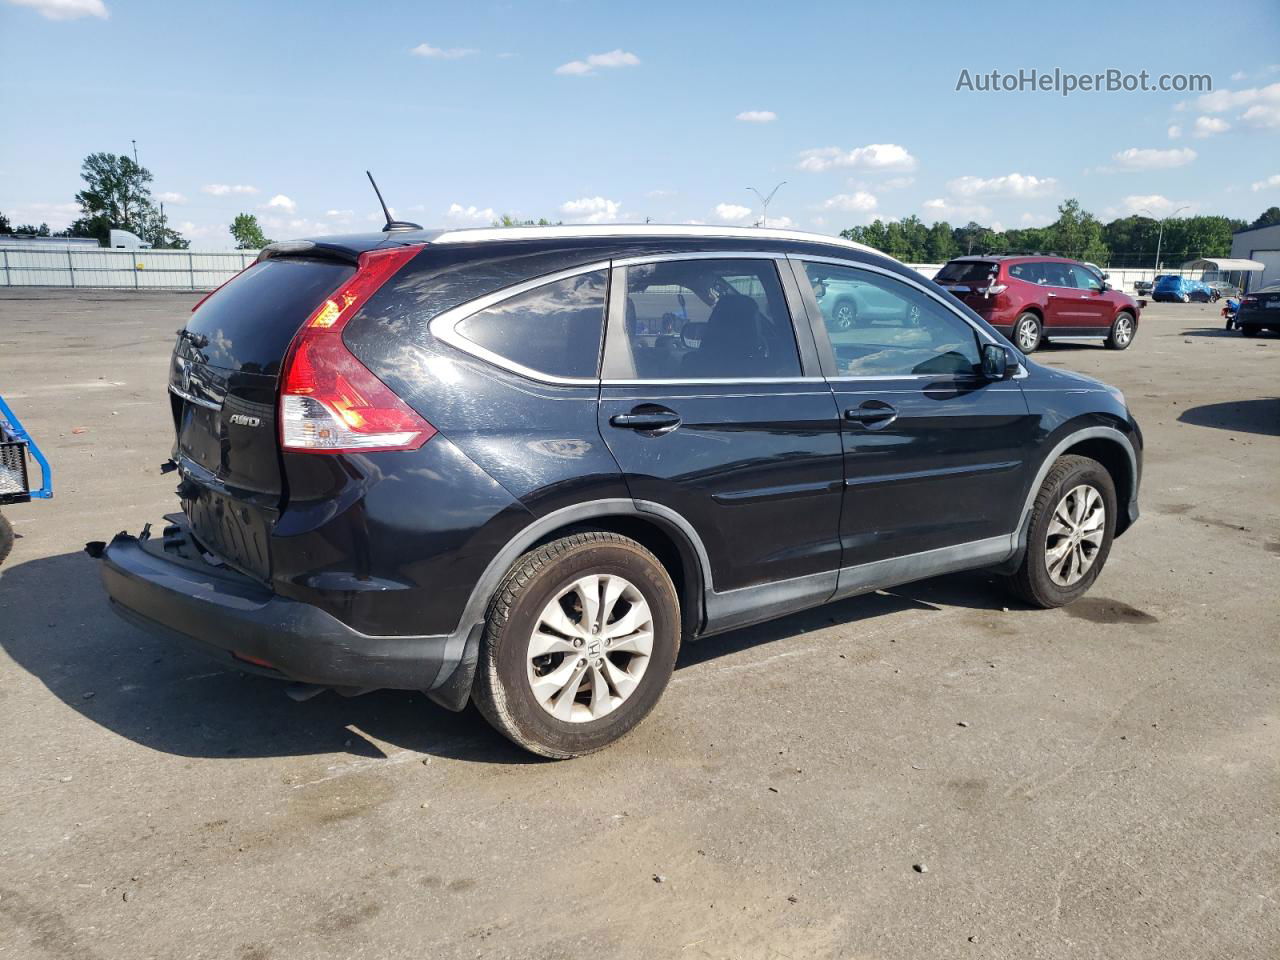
x=646, y=419
x=873, y=411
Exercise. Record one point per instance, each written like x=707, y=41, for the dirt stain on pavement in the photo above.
x=1105, y=610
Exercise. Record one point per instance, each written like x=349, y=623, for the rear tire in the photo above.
x=1250, y=330
x=1122, y=331
x=560, y=680
x=1073, y=520
x=1028, y=332
x=6, y=538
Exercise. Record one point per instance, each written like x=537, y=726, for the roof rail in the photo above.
x=480, y=234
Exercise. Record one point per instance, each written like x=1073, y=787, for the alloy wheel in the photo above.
x=1028, y=335
x=1124, y=330
x=590, y=648
x=1075, y=535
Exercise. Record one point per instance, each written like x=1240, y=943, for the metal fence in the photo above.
x=121, y=269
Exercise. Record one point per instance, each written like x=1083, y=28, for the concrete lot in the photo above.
x=1099, y=781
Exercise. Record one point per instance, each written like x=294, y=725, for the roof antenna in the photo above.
x=392, y=225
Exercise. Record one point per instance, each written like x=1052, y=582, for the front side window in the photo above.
x=882, y=327
x=1056, y=274
x=705, y=320
x=553, y=329
x=1085, y=278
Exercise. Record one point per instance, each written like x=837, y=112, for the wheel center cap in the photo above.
x=595, y=648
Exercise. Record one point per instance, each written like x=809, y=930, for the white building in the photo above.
x=1261, y=244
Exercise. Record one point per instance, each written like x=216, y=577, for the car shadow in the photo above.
x=1212, y=332
x=1261, y=416
x=1067, y=346
x=58, y=627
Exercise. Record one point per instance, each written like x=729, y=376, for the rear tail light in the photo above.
x=994, y=290
x=1251, y=301
x=329, y=401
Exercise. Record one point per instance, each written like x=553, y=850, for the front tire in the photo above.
x=1122, y=331
x=845, y=314
x=1073, y=520
x=1028, y=332
x=580, y=642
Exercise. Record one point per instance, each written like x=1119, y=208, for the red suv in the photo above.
x=1034, y=299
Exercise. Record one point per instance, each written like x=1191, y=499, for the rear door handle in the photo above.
x=1050, y=294
x=661, y=419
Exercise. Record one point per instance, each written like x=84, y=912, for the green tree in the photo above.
x=1078, y=234
x=941, y=245
x=507, y=220
x=5, y=226
x=1268, y=218
x=247, y=233
x=117, y=195
x=32, y=230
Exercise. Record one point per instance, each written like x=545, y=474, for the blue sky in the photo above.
x=598, y=110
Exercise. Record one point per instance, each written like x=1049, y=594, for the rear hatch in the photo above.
x=1262, y=307
x=223, y=385
x=969, y=280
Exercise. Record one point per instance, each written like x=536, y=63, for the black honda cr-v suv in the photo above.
x=522, y=465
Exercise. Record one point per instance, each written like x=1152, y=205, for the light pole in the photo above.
x=764, y=202
x=1160, y=235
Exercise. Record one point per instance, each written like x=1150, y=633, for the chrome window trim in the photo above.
x=444, y=326
x=698, y=255
x=777, y=258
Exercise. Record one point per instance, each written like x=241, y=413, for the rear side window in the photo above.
x=1027, y=272
x=966, y=271
x=250, y=322
x=552, y=329
x=705, y=320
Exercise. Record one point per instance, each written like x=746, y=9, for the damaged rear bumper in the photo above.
x=165, y=584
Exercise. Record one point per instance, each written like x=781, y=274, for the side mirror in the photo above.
x=1106, y=286
x=997, y=362
x=691, y=334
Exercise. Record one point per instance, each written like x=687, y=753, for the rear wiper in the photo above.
x=197, y=340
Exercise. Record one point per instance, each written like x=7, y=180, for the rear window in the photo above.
x=966, y=271
x=553, y=329
x=250, y=322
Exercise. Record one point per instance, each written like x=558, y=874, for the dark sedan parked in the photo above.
x=522, y=466
x=1259, y=310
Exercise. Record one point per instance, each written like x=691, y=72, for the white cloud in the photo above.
x=1010, y=185
x=1238, y=76
x=1221, y=101
x=171, y=197
x=1154, y=203
x=1035, y=220
x=65, y=9
x=438, y=53
x=757, y=116
x=57, y=215
x=941, y=209
x=777, y=222
x=1146, y=158
x=587, y=67
x=281, y=202
x=1208, y=126
x=875, y=156
x=897, y=183
x=1266, y=115
x=1175, y=132
x=660, y=193
x=857, y=202
x=1267, y=184
x=340, y=214
x=732, y=212
x=457, y=213
x=226, y=189
x=591, y=210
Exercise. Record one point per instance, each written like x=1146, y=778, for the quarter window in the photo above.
x=553, y=329
x=882, y=327
x=705, y=320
